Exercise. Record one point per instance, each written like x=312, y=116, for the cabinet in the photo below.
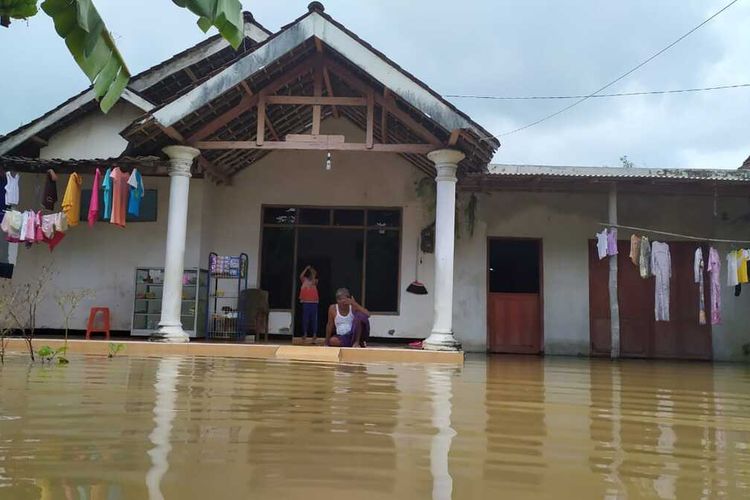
x=149, y=283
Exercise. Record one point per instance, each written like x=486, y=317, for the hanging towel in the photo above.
x=601, y=244
x=698, y=270
x=661, y=268
x=71, y=204
x=11, y=188
x=645, y=261
x=635, y=249
x=714, y=269
x=612, y=242
x=732, y=270
x=93, y=214
x=107, y=187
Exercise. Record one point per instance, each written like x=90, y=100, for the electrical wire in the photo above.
x=620, y=94
x=624, y=75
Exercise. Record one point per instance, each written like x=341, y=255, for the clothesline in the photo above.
x=675, y=235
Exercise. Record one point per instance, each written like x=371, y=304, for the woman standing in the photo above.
x=308, y=296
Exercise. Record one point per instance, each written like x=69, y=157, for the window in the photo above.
x=148, y=209
x=514, y=266
x=353, y=247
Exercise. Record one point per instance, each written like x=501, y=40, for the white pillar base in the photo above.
x=441, y=342
x=173, y=334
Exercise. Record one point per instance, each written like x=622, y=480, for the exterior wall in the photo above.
x=233, y=222
x=95, y=135
x=104, y=257
x=565, y=222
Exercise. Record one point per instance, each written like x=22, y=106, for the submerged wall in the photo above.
x=565, y=222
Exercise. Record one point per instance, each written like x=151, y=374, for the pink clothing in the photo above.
x=93, y=214
x=714, y=269
x=28, y=227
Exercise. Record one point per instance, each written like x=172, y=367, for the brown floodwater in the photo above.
x=510, y=427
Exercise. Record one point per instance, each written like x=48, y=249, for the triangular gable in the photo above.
x=319, y=25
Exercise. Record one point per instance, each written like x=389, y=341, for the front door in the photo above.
x=514, y=301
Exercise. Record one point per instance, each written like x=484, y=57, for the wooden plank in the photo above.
x=370, y=120
x=302, y=100
x=318, y=92
x=421, y=149
x=329, y=89
x=453, y=139
x=384, y=120
x=318, y=44
x=387, y=102
x=246, y=88
x=260, y=134
x=315, y=138
x=271, y=128
x=248, y=102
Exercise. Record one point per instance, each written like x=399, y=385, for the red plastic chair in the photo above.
x=91, y=325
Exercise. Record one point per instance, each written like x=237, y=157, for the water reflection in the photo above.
x=164, y=414
x=440, y=385
x=512, y=427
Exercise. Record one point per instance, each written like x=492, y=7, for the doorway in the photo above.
x=337, y=256
x=514, y=299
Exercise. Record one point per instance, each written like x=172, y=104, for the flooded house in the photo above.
x=309, y=147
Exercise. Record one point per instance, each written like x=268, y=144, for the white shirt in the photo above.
x=11, y=189
x=344, y=323
x=601, y=244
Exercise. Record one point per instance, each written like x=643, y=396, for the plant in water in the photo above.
x=114, y=349
x=48, y=354
x=68, y=301
x=29, y=295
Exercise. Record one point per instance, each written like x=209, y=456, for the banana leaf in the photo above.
x=225, y=15
x=92, y=47
x=16, y=9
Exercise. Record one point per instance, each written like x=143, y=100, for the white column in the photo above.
x=170, y=326
x=446, y=162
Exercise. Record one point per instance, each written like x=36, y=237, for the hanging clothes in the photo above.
x=742, y=257
x=732, y=271
x=714, y=269
x=661, y=268
x=135, y=183
x=93, y=214
x=635, y=249
x=12, y=188
x=71, y=204
x=601, y=244
x=49, y=195
x=612, y=242
x=119, y=197
x=107, y=187
x=645, y=260
x=698, y=270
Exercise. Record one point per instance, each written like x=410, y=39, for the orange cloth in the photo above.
x=119, y=197
x=71, y=204
x=308, y=292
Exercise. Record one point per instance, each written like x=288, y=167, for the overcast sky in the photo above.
x=485, y=47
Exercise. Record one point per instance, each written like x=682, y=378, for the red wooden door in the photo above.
x=514, y=321
x=640, y=335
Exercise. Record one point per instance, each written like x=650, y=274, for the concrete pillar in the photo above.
x=446, y=162
x=180, y=162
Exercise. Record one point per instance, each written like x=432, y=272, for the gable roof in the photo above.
x=143, y=90
x=223, y=92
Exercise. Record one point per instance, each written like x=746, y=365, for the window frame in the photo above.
x=296, y=225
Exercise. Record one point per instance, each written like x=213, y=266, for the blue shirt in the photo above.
x=107, y=186
x=136, y=193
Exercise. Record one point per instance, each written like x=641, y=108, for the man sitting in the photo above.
x=350, y=320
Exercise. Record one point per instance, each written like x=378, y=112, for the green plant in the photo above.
x=68, y=301
x=29, y=295
x=48, y=354
x=625, y=162
x=114, y=349
x=8, y=298
x=91, y=45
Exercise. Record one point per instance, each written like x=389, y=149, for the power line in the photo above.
x=624, y=75
x=621, y=94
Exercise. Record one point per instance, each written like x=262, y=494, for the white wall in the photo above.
x=565, y=222
x=104, y=257
x=233, y=213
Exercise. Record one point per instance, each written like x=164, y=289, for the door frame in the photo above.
x=540, y=243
